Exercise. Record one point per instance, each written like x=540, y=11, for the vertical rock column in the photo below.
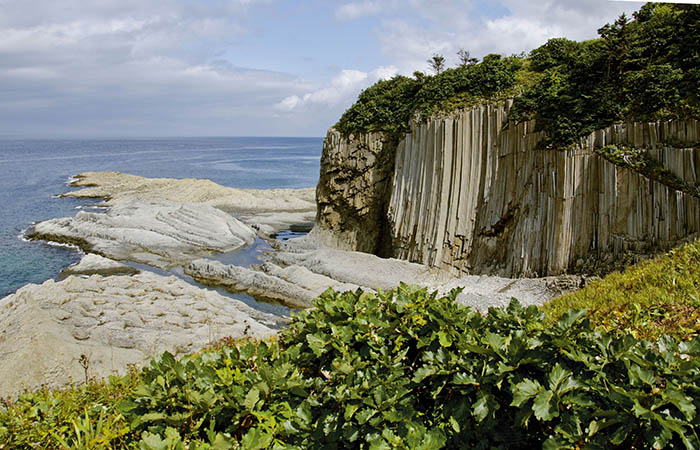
x=474, y=194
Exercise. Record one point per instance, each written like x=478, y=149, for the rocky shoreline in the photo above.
x=116, y=315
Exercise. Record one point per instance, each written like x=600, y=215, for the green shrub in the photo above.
x=408, y=369
x=389, y=105
x=81, y=416
x=644, y=69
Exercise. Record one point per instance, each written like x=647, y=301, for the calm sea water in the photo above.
x=33, y=172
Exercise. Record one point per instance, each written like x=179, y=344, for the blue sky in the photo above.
x=118, y=68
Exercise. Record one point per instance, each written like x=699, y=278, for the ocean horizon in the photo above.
x=36, y=171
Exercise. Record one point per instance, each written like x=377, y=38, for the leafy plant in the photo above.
x=403, y=369
x=647, y=68
x=389, y=105
x=77, y=417
x=410, y=369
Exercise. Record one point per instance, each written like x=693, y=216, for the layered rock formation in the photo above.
x=157, y=232
x=165, y=222
x=473, y=193
x=114, y=321
x=266, y=210
x=301, y=269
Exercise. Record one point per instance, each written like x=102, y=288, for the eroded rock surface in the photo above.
x=158, y=232
x=303, y=268
x=266, y=210
x=92, y=264
x=114, y=321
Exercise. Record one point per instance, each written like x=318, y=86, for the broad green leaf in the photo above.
x=256, y=439
x=454, y=423
x=637, y=373
x=444, y=338
x=350, y=410
x=251, y=399
x=545, y=405
x=557, y=376
x=316, y=344
x=304, y=414
x=484, y=405
x=423, y=373
x=495, y=341
x=364, y=415
x=680, y=401
x=433, y=440
x=524, y=391
x=570, y=317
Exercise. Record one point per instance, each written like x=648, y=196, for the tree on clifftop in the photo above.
x=465, y=58
x=437, y=63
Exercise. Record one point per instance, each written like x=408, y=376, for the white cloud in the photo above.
x=342, y=90
x=445, y=26
x=174, y=66
x=355, y=10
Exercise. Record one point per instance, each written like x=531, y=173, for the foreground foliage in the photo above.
x=655, y=297
x=401, y=369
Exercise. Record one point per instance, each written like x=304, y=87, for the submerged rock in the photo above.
x=113, y=321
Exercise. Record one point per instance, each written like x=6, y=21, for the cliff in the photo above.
x=473, y=193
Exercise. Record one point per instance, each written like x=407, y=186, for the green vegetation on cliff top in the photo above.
x=647, y=68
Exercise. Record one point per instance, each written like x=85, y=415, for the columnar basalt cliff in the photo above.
x=473, y=193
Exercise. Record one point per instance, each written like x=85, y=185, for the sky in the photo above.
x=159, y=68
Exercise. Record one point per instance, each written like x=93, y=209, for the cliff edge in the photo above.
x=475, y=193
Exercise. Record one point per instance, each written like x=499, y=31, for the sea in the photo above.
x=34, y=172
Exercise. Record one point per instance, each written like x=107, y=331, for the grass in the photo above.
x=655, y=297
x=78, y=416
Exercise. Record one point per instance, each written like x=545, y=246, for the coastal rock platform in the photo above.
x=156, y=232
x=266, y=210
x=301, y=269
x=113, y=321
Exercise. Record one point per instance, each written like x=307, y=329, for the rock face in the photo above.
x=157, y=232
x=114, y=321
x=473, y=194
x=353, y=191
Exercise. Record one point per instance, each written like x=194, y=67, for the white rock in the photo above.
x=303, y=268
x=157, y=232
x=268, y=210
x=44, y=329
x=95, y=264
